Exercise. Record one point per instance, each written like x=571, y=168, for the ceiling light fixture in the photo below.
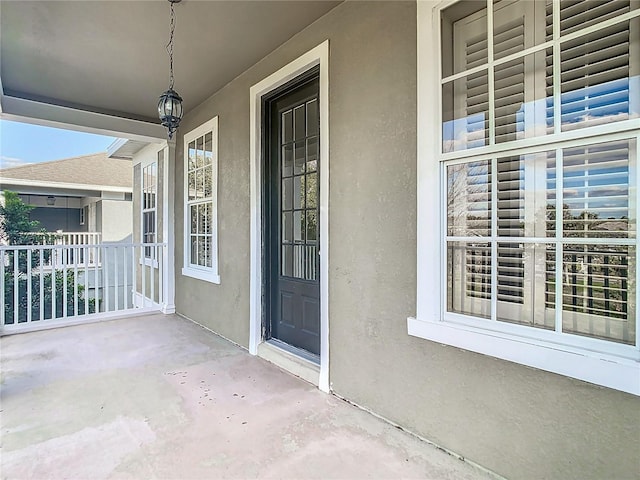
x=170, y=103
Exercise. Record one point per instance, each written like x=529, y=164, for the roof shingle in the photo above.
x=94, y=169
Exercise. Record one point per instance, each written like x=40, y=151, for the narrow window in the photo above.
x=149, y=198
x=200, y=157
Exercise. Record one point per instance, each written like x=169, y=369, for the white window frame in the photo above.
x=81, y=220
x=150, y=261
x=597, y=361
x=209, y=274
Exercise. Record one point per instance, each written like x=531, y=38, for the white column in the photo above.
x=168, y=229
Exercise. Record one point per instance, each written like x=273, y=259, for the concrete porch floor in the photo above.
x=160, y=397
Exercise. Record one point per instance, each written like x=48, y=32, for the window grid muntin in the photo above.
x=630, y=124
x=298, y=257
x=149, y=207
x=558, y=240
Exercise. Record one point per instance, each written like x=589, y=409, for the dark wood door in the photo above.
x=291, y=233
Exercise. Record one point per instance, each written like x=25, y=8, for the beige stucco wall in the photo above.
x=517, y=421
x=112, y=213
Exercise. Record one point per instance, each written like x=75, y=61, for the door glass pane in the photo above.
x=312, y=154
x=287, y=126
x=312, y=190
x=298, y=192
x=299, y=123
x=599, y=294
x=469, y=278
x=469, y=199
x=287, y=193
x=312, y=117
x=287, y=260
x=287, y=227
x=312, y=226
x=298, y=226
x=287, y=160
x=299, y=158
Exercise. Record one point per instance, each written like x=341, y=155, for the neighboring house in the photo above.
x=90, y=193
x=84, y=200
x=370, y=200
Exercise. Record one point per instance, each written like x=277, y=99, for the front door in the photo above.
x=291, y=222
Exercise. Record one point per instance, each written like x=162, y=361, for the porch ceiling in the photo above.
x=109, y=57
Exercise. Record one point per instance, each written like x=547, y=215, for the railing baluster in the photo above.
x=160, y=275
x=134, y=272
x=95, y=280
x=16, y=286
x=65, y=287
x=144, y=274
x=152, y=276
x=125, y=282
x=116, y=281
x=41, y=283
x=106, y=281
x=85, y=253
x=29, y=299
x=2, y=289
x=53, y=283
x=75, y=281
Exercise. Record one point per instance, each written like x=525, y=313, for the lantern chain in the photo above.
x=170, y=45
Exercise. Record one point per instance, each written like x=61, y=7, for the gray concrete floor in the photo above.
x=160, y=397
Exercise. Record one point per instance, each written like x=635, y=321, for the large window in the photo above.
x=200, y=195
x=540, y=133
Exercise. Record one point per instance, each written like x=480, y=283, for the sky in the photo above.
x=22, y=143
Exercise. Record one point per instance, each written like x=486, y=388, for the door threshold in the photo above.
x=294, y=360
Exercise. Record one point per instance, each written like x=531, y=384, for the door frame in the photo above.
x=316, y=56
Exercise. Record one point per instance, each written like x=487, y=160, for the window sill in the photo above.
x=601, y=369
x=207, y=276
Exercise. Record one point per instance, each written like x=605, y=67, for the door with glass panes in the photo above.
x=291, y=233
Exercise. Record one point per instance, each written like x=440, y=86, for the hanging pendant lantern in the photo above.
x=170, y=103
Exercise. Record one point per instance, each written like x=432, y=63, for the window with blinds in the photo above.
x=544, y=237
x=200, y=202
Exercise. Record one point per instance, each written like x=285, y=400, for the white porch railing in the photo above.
x=69, y=256
x=51, y=285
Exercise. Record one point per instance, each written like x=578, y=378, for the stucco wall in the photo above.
x=516, y=421
x=115, y=220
